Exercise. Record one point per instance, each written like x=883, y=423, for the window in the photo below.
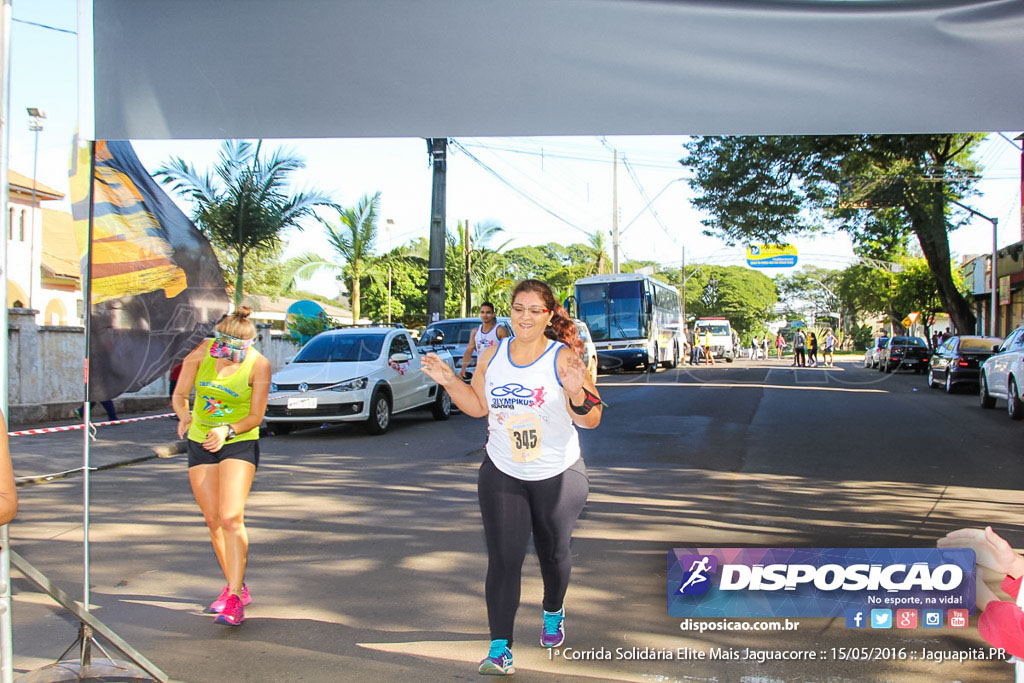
x=21, y=225
x=400, y=344
x=326, y=348
x=10, y=224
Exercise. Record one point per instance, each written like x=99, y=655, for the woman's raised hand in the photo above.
x=437, y=370
x=991, y=549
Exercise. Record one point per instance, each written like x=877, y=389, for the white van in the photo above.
x=720, y=332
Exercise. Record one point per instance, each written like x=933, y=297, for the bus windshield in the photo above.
x=613, y=310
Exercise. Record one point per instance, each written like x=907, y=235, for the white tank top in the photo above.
x=530, y=435
x=485, y=340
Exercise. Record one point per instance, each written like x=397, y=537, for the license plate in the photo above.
x=302, y=403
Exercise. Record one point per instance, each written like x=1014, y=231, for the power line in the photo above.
x=512, y=186
x=47, y=27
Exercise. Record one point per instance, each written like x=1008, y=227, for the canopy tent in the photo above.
x=437, y=68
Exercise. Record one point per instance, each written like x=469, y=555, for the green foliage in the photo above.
x=878, y=188
x=863, y=336
x=264, y=271
x=245, y=205
x=302, y=328
x=746, y=297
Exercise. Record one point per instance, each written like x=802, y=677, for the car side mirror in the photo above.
x=400, y=358
x=432, y=337
x=995, y=348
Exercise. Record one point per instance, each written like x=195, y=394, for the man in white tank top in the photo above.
x=483, y=337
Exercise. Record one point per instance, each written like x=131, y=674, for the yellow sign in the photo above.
x=907, y=322
x=771, y=256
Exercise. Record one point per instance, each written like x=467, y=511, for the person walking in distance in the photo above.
x=232, y=381
x=780, y=344
x=484, y=336
x=799, y=342
x=705, y=344
x=754, y=346
x=534, y=391
x=830, y=346
x=812, y=350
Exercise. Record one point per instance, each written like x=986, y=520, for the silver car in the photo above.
x=1002, y=376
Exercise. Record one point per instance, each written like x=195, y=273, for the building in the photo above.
x=1009, y=292
x=42, y=254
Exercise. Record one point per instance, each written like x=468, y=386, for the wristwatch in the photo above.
x=231, y=433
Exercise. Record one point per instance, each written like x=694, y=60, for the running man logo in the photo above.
x=696, y=581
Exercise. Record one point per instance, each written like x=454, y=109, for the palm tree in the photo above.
x=244, y=204
x=597, y=251
x=352, y=240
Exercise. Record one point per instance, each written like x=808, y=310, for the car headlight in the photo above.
x=273, y=386
x=351, y=385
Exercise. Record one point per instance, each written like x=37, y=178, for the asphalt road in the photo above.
x=367, y=557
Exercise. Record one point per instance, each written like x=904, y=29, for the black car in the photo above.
x=958, y=360
x=904, y=353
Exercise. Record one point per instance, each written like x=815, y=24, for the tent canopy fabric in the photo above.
x=440, y=68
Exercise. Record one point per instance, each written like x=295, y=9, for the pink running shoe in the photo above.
x=233, y=614
x=217, y=606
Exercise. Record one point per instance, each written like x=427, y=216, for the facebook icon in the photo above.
x=856, y=618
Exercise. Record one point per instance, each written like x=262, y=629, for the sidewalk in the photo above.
x=38, y=455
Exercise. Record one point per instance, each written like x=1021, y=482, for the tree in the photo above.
x=744, y=296
x=245, y=204
x=597, y=253
x=770, y=187
x=352, y=240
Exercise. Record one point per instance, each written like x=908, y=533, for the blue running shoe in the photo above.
x=498, y=661
x=553, y=633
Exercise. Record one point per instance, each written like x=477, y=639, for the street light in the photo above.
x=35, y=124
x=387, y=226
x=994, y=312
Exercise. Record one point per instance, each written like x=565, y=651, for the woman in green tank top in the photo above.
x=231, y=380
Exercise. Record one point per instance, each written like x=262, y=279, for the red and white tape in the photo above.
x=71, y=428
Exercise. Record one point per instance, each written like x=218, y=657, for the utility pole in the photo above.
x=993, y=280
x=682, y=279
x=437, y=148
x=469, y=287
x=615, y=211
x=35, y=124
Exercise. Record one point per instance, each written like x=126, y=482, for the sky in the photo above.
x=538, y=189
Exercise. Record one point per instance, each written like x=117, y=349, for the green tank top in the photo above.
x=222, y=401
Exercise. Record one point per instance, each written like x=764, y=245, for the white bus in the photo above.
x=634, y=320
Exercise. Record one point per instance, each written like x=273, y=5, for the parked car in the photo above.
x=874, y=352
x=1002, y=376
x=904, y=353
x=454, y=334
x=357, y=374
x=958, y=360
x=589, y=354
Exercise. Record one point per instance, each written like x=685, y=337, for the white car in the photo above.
x=356, y=374
x=1002, y=375
x=589, y=355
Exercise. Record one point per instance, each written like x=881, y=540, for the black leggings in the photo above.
x=511, y=509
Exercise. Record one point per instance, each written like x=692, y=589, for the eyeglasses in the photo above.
x=532, y=310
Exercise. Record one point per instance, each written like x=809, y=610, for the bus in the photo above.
x=634, y=319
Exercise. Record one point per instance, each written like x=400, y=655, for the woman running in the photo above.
x=232, y=381
x=534, y=390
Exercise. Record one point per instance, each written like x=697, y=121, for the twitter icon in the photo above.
x=881, y=618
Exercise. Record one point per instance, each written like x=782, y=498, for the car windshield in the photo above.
x=333, y=348
x=977, y=344
x=455, y=331
x=713, y=329
x=908, y=341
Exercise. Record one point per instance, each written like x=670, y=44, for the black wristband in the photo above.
x=589, y=402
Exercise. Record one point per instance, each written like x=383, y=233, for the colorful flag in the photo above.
x=157, y=288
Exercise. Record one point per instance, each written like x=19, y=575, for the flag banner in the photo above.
x=157, y=288
x=817, y=582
